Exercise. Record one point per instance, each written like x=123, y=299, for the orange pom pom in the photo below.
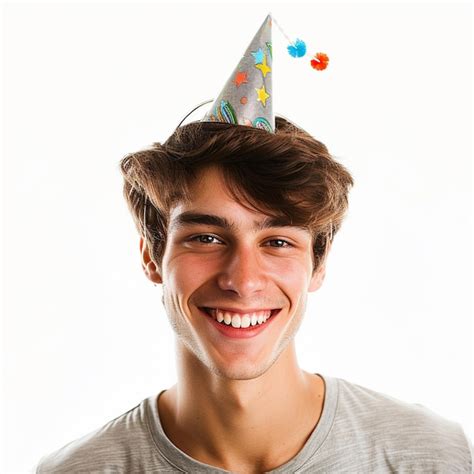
x=320, y=61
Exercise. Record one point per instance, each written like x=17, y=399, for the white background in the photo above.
x=85, y=335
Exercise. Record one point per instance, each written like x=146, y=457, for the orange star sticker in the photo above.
x=240, y=78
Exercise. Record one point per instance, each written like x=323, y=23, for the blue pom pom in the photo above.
x=297, y=49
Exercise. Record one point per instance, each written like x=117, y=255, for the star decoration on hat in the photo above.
x=264, y=67
x=241, y=78
x=262, y=95
x=258, y=56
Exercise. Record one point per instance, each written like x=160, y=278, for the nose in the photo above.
x=242, y=272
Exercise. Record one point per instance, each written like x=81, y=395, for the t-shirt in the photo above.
x=359, y=431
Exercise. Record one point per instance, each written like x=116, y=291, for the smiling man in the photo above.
x=236, y=216
x=235, y=282
x=236, y=224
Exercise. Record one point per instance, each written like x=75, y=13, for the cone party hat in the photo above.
x=246, y=98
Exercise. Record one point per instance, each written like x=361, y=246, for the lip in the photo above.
x=240, y=333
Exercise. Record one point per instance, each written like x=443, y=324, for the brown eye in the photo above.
x=206, y=239
x=279, y=243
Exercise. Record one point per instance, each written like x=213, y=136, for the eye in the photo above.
x=205, y=239
x=278, y=243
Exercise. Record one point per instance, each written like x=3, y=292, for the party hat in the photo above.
x=246, y=98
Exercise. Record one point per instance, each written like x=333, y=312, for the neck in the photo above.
x=242, y=425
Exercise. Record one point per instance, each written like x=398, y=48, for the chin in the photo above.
x=242, y=370
x=238, y=373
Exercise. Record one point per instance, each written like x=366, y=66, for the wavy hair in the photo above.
x=287, y=173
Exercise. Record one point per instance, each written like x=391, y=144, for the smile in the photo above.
x=240, y=319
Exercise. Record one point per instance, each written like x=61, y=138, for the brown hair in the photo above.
x=286, y=173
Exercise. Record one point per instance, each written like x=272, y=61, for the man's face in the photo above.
x=221, y=257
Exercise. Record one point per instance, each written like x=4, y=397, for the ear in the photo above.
x=148, y=265
x=318, y=276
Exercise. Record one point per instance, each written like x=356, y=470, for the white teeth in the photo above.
x=238, y=320
x=245, y=322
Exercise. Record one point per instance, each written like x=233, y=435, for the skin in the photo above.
x=241, y=405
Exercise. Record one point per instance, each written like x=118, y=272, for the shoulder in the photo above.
x=411, y=432
x=118, y=446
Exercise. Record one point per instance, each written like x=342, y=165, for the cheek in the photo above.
x=290, y=273
x=185, y=273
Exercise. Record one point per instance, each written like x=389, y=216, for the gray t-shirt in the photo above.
x=359, y=431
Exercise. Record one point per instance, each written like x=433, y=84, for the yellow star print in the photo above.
x=262, y=95
x=264, y=67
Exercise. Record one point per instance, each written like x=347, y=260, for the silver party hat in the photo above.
x=246, y=98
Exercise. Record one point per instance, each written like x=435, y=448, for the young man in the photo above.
x=236, y=223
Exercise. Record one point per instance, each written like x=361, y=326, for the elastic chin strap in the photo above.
x=195, y=108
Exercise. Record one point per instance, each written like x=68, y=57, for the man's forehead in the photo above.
x=211, y=202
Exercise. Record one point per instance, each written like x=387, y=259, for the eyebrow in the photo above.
x=193, y=218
